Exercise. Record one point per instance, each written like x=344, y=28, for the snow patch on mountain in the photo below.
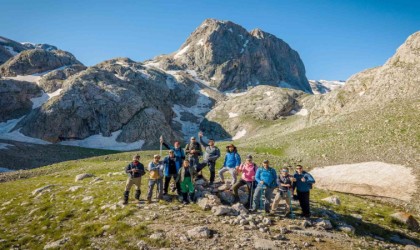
x=181, y=52
x=103, y=142
x=325, y=86
x=239, y=134
x=11, y=50
x=38, y=101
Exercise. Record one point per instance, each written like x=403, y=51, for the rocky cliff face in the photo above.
x=229, y=57
x=15, y=98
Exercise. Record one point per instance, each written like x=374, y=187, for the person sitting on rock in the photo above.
x=266, y=178
x=302, y=182
x=171, y=168
x=178, y=151
x=135, y=171
x=285, y=190
x=212, y=153
x=193, y=151
x=186, y=177
x=155, y=177
x=248, y=170
x=231, y=163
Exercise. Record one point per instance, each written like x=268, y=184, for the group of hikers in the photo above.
x=184, y=167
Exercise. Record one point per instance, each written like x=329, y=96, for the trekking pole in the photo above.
x=251, y=194
x=160, y=141
x=290, y=204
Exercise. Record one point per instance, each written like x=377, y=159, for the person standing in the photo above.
x=135, y=171
x=231, y=163
x=248, y=170
x=212, y=153
x=171, y=168
x=303, y=182
x=285, y=190
x=186, y=177
x=193, y=151
x=178, y=151
x=266, y=179
x=155, y=177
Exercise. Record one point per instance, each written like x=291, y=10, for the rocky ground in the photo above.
x=77, y=204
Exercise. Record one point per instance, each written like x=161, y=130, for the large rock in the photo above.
x=333, y=200
x=34, y=61
x=208, y=202
x=223, y=210
x=41, y=189
x=15, y=98
x=80, y=177
x=199, y=232
x=263, y=244
x=227, y=197
x=229, y=57
x=240, y=209
x=325, y=224
x=406, y=219
x=56, y=244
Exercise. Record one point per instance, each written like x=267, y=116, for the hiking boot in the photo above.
x=192, y=197
x=185, y=199
x=137, y=195
x=149, y=200
x=126, y=194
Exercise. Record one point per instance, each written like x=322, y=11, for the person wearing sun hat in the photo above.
x=232, y=161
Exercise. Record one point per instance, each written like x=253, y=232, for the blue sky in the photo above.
x=335, y=39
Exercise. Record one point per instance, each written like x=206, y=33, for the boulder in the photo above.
x=56, y=244
x=333, y=200
x=406, y=219
x=240, y=209
x=346, y=228
x=223, y=210
x=142, y=245
x=74, y=188
x=226, y=197
x=325, y=224
x=42, y=189
x=83, y=176
x=157, y=236
x=199, y=232
x=264, y=244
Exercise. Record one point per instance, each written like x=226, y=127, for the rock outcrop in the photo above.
x=15, y=98
x=229, y=57
x=36, y=61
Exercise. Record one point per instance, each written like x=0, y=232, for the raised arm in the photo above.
x=203, y=143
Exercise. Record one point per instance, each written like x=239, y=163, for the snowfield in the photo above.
x=368, y=178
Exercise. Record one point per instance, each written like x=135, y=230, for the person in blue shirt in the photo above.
x=231, y=163
x=266, y=178
x=171, y=168
x=303, y=182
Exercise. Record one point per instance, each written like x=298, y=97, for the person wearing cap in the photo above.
x=284, y=180
x=248, y=170
x=178, y=151
x=186, y=177
x=171, y=168
x=155, y=177
x=212, y=153
x=135, y=171
x=193, y=151
x=266, y=182
x=232, y=161
x=303, y=182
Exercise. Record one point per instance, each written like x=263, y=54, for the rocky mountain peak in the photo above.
x=228, y=57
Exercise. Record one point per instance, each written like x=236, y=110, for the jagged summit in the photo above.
x=229, y=57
